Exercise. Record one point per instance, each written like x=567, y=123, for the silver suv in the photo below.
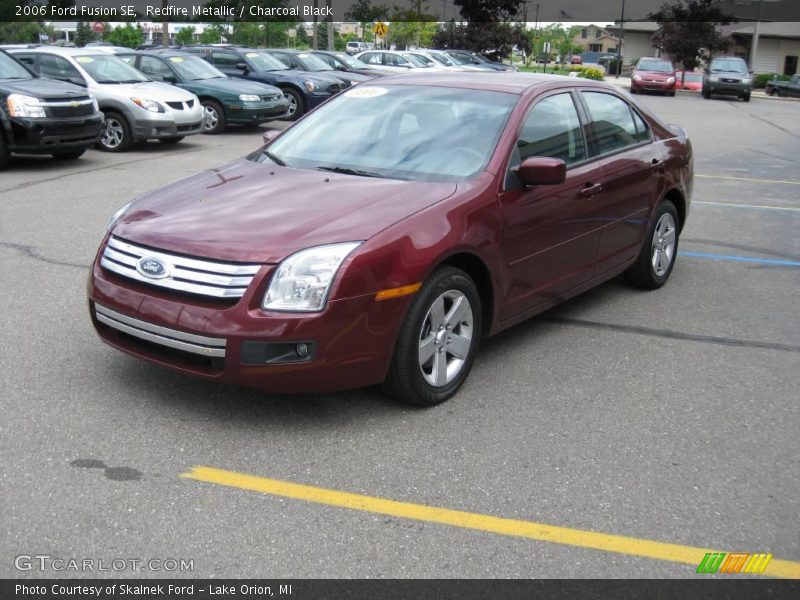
x=729, y=76
x=135, y=107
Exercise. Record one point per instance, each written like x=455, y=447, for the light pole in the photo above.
x=619, y=42
x=754, y=43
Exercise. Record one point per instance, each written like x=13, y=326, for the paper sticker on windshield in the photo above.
x=176, y=59
x=366, y=92
x=84, y=59
x=252, y=55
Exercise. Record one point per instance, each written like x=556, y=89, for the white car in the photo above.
x=135, y=107
x=446, y=61
x=395, y=61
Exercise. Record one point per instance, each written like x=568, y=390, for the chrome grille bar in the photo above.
x=172, y=338
x=195, y=276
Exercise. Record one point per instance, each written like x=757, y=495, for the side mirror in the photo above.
x=271, y=135
x=540, y=170
x=242, y=66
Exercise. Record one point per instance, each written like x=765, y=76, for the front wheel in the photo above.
x=438, y=340
x=659, y=250
x=746, y=97
x=706, y=95
x=3, y=152
x=116, y=135
x=296, y=106
x=214, y=117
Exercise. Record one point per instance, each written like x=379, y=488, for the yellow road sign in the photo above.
x=380, y=28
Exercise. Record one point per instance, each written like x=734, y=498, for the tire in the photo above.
x=3, y=152
x=746, y=97
x=412, y=376
x=116, y=135
x=296, y=104
x=171, y=140
x=214, y=118
x=633, y=91
x=660, y=244
x=69, y=155
x=706, y=95
x=672, y=94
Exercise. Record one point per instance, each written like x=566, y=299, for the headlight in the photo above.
x=25, y=106
x=746, y=81
x=354, y=82
x=115, y=217
x=713, y=77
x=95, y=105
x=150, y=105
x=302, y=281
x=637, y=77
x=249, y=98
x=670, y=80
x=309, y=85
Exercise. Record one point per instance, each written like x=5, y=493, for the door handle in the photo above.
x=591, y=190
x=656, y=165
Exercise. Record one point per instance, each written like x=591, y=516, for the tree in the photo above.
x=365, y=14
x=185, y=37
x=126, y=35
x=213, y=34
x=689, y=33
x=20, y=32
x=83, y=34
x=302, y=37
x=476, y=11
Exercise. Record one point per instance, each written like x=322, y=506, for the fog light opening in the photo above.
x=302, y=350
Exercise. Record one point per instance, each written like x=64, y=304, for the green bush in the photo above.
x=587, y=72
x=760, y=79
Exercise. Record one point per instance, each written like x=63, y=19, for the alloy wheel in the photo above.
x=445, y=338
x=663, y=245
x=114, y=133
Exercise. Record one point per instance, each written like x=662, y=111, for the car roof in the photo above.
x=61, y=51
x=509, y=82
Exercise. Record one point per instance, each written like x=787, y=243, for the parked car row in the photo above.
x=725, y=75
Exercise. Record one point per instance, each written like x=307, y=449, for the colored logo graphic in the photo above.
x=723, y=562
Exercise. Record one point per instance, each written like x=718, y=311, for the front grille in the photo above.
x=271, y=98
x=730, y=81
x=183, y=274
x=175, y=105
x=336, y=87
x=185, y=128
x=162, y=336
x=81, y=107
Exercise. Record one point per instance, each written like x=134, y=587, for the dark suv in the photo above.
x=728, y=76
x=42, y=116
x=303, y=90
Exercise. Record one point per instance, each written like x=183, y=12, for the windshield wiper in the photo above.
x=107, y=81
x=278, y=161
x=348, y=171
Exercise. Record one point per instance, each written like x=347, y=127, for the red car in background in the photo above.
x=688, y=80
x=382, y=236
x=653, y=75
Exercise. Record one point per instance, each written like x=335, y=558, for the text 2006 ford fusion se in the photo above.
x=380, y=238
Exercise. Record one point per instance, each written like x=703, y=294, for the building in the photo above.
x=637, y=40
x=777, y=50
x=593, y=38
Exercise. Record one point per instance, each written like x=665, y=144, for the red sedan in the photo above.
x=381, y=237
x=687, y=80
x=653, y=75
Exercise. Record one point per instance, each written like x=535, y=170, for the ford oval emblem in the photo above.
x=152, y=267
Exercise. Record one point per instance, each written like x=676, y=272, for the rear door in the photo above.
x=550, y=231
x=633, y=173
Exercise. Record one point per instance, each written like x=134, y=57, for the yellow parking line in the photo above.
x=748, y=179
x=456, y=518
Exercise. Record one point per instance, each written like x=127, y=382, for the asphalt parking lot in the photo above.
x=667, y=416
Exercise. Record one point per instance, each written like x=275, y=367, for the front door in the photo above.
x=550, y=231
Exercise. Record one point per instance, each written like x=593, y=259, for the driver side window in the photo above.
x=154, y=68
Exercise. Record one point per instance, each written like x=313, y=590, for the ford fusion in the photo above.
x=380, y=238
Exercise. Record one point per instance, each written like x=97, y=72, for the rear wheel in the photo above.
x=68, y=155
x=296, y=105
x=214, y=117
x=659, y=250
x=116, y=135
x=438, y=340
x=171, y=140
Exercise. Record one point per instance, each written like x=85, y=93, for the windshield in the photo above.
x=729, y=65
x=443, y=59
x=105, y=68
x=657, y=66
x=414, y=60
x=464, y=59
x=194, y=68
x=312, y=63
x=11, y=69
x=265, y=62
x=428, y=62
x=351, y=62
x=399, y=132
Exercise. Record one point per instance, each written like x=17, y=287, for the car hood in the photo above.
x=44, y=88
x=250, y=212
x=657, y=75
x=152, y=90
x=236, y=86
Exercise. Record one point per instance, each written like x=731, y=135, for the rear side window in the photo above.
x=613, y=122
x=26, y=59
x=225, y=60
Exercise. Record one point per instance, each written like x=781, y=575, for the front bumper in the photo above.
x=49, y=136
x=351, y=342
x=254, y=113
x=652, y=86
x=728, y=88
x=173, y=123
